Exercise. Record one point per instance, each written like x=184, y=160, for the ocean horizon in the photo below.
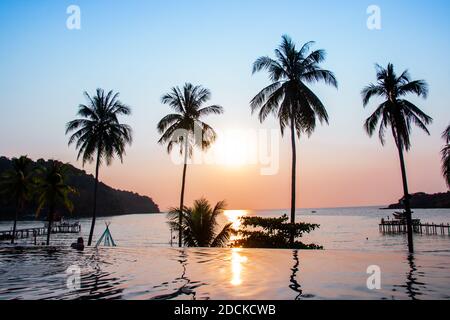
x=354, y=228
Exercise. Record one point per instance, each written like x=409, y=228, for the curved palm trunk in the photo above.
x=183, y=183
x=406, y=199
x=94, y=213
x=293, y=185
x=51, y=214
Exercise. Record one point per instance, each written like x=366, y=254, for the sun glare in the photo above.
x=234, y=217
x=232, y=149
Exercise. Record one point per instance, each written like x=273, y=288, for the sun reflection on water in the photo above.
x=237, y=259
x=236, y=266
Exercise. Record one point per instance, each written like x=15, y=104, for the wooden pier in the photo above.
x=41, y=231
x=396, y=227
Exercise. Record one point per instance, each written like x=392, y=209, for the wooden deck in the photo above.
x=41, y=231
x=396, y=227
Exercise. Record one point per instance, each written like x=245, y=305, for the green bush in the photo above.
x=258, y=232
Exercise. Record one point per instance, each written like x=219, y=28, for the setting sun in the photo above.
x=234, y=216
x=233, y=148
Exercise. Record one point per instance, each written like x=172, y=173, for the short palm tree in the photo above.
x=17, y=185
x=446, y=156
x=53, y=191
x=199, y=224
x=399, y=114
x=100, y=135
x=289, y=98
x=185, y=127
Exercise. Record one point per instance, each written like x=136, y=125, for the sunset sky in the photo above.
x=143, y=48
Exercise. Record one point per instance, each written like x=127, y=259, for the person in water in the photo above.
x=79, y=245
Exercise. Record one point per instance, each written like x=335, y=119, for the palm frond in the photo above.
x=99, y=130
x=412, y=108
x=186, y=126
x=167, y=121
x=214, y=109
x=446, y=164
x=371, y=123
x=199, y=224
x=319, y=75
x=287, y=97
x=418, y=87
x=370, y=91
x=262, y=96
x=223, y=237
x=52, y=188
x=314, y=58
x=446, y=135
x=314, y=102
x=272, y=103
x=395, y=112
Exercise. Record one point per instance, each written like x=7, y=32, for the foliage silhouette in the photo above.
x=289, y=98
x=185, y=127
x=276, y=233
x=16, y=185
x=399, y=114
x=99, y=134
x=199, y=224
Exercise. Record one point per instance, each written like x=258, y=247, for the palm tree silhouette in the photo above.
x=446, y=156
x=289, y=98
x=185, y=128
x=17, y=185
x=52, y=191
x=98, y=133
x=199, y=224
x=399, y=114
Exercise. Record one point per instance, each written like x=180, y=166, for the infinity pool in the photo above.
x=166, y=273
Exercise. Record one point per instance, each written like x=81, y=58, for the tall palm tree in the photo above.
x=185, y=127
x=53, y=191
x=17, y=185
x=199, y=224
x=446, y=156
x=289, y=98
x=99, y=134
x=399, y=114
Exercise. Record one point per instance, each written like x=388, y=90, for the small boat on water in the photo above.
x=400, y=215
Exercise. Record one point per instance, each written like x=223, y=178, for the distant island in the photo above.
x=110, y=201
x=422, y=200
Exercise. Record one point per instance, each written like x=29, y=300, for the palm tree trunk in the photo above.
x=51, y=214
x=406, y=199
x=293, y=185
x=15, y=224
x=183, y=182
x=94, y=213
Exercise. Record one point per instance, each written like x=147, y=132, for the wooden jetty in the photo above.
x=41, y=231
x=396, y=227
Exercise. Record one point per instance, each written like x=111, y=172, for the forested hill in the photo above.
x=426, y=201
x=109, y=202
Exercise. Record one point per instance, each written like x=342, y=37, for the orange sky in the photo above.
x=46, y=67
x=365, y=174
